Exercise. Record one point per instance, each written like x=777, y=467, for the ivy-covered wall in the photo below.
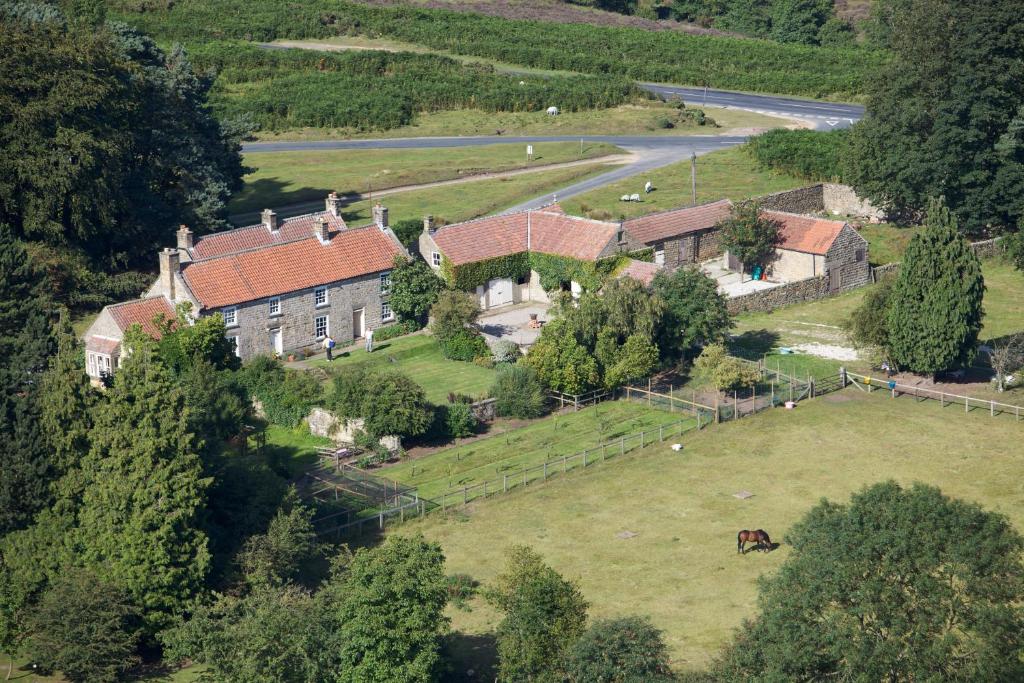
x=469, y=276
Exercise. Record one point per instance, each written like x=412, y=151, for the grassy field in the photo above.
x=887, y=242
x=476, y=199
x=728, y=173
x=419, y=357
x=552, y=437
x=280, y=178
x=682, y=568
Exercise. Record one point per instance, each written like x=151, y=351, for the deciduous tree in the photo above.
x=626, y=650
x=561, y=362
x=414, y=289
x=695, y=313
x=750, y=236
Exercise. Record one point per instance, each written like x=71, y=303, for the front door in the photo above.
x=358, y=323
x=499, y=292
x=277, y=341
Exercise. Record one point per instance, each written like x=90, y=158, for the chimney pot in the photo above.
x=333, y=204
x=185, y=238
x=428, y=224
x=380, y=216
x=270, y=220
x=322, y=230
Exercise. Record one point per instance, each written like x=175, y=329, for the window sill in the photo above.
x=274, y=316
x=323, y=305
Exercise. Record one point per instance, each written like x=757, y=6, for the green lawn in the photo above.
x=505, y=454
x=887, y=242
x=728, y=173
x=419, y=357
x=682, y=569
x=294, y=449
x=280, y=178
x=475, y=199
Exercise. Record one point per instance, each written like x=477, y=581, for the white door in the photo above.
x=659, y=257
x=358, y=323
x=277, y=341
x=500, y=291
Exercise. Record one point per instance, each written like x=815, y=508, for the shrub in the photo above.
x=629, y=650
x=414, y=289
x=390, y=403
x=461, y=588
x=452, y=311
x=459, y=420
x=286, y=395
x=465, y=345
x=518, y=391
x=807, y=154
x=506, y=351
x=484, y=362
x=725, y=372
x=395, y=330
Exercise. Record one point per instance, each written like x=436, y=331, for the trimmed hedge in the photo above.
x=807, y=154
x=465, y=345
x=395, y=330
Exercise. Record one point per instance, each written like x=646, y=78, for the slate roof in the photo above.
x=104, y=345
x=540, y=231
x=805, y=233
x=677, y=222
x=299, y=264
x=141, y=311
x=644, y=271
x=256, y=236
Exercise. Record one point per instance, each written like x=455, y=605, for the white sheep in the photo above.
x=648, y=187
x=553, y=111
x=634, y=197
x=624, y=198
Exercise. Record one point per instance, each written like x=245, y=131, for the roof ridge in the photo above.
x=261, y=247
x=136, y=301
x=679, y=208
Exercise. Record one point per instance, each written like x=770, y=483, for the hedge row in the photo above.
x=663, y=56
x=807, y=154
x=378, y=90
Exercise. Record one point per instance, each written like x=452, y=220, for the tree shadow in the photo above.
x=470, y=657
x=753, y=344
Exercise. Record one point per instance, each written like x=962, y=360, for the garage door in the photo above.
x=499, y=292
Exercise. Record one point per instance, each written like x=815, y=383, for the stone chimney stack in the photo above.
x=428, y=224
x=185, y=238
x=322, y=230
x=270, y=220
x=333, y=204
x=380, y=216
x=170, y=266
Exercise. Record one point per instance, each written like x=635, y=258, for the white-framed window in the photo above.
x=274, y=305
x=321, y=326
x=385, y=282
x=435, y=258
x=102, y=365
x=385, y=311
x=233, y=341
x=91, y=363
x=230, y=316
x=320, y=296
x=659, y=257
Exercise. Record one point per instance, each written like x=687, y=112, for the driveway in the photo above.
x=731, y=283
x=512, y=323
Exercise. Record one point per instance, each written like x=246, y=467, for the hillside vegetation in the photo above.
x=735, y=63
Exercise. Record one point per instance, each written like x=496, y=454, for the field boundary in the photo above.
x=869, y=384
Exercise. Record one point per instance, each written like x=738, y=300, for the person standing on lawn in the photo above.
x=329, y=346
x=369, y=340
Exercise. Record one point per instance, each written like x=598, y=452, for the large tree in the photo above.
x=945, y=114
x=695, y=312
x=139, y=523
x=935, y=308
x=108, y=141
x=898, y=585
x=626, y=650
x=414, y=289
x=750, y=236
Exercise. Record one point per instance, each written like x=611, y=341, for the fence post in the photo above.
x=698, y=421
x=661, y=433
x=842, y=377
x=584, y=458
x=524, y=476
x=735, y=406
x=992, y=408
x=773, y=393
x=381, y=520
x=563, y=464
x=942, y=400
x=622, y=446
x=545, y=470
x=648, y=392
x=604, y=452
x=504, y=483
x=718, y=415
x=641, y=439
x=465, y=499
x=811, y=382
x=967, y=403
x=671, y=400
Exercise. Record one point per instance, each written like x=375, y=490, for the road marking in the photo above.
x=832, y=123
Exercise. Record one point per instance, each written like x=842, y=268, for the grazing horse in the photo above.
x=760, y=537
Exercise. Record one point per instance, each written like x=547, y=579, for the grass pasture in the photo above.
x=682, y=569
x=419, y=357
x=280, y=178
x=509, y=452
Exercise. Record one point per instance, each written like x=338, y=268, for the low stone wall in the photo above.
x=485, y=410
x=889, y=270
x=811, y=289
x=988, y=248
x=808, y=199
x=841, y=200
x=341, y=430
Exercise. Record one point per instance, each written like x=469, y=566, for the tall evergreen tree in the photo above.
x=935, y=307
x=66, y=401
x=942, y=113
x=140, y=515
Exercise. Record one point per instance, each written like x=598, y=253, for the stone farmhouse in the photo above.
x=546, y=231
x=281, y=285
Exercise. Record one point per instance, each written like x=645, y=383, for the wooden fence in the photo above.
x=895, y=390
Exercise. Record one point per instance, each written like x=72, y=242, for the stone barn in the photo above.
x=814, y=247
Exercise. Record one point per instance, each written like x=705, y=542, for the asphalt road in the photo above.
x=652, y=151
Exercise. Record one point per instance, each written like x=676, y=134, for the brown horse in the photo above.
x=760, y=537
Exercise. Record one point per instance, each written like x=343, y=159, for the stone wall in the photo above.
x=847, y=261
x=988, y=248
x=841, y=200
x=694, y=247
x=343, y=431
x=808, y=199
x=485, y=410
x=297, y=311
x=792, y=293
x=889, y=270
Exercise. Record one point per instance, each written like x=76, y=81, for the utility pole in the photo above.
x=693, y=176
x=705, y=95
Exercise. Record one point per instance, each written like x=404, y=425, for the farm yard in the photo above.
x=508, y=452
x=682, y=509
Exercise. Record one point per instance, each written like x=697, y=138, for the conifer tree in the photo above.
x=935, y=308
x=67, y=400
x=139, y=522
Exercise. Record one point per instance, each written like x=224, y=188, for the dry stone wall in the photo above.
x=811, y=289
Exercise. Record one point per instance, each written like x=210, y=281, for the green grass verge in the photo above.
x=294, y=449
x=419, y=357
x=887, y=242
x=682, y=569
x=280, y=178
x=505, y=454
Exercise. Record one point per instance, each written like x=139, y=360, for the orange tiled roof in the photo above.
x=104, y=345
x=806, y=233
x=288, y=267
x=142, y=311
x=676, y=222
x=545, y=232
x=643, y=271
x=255, y=236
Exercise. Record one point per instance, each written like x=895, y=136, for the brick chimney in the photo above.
x=428, y=224
x=269, y=220
x=322, y=230
x=380, y=216
x=185, y=240
x=170, y=265
x=333, y=204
